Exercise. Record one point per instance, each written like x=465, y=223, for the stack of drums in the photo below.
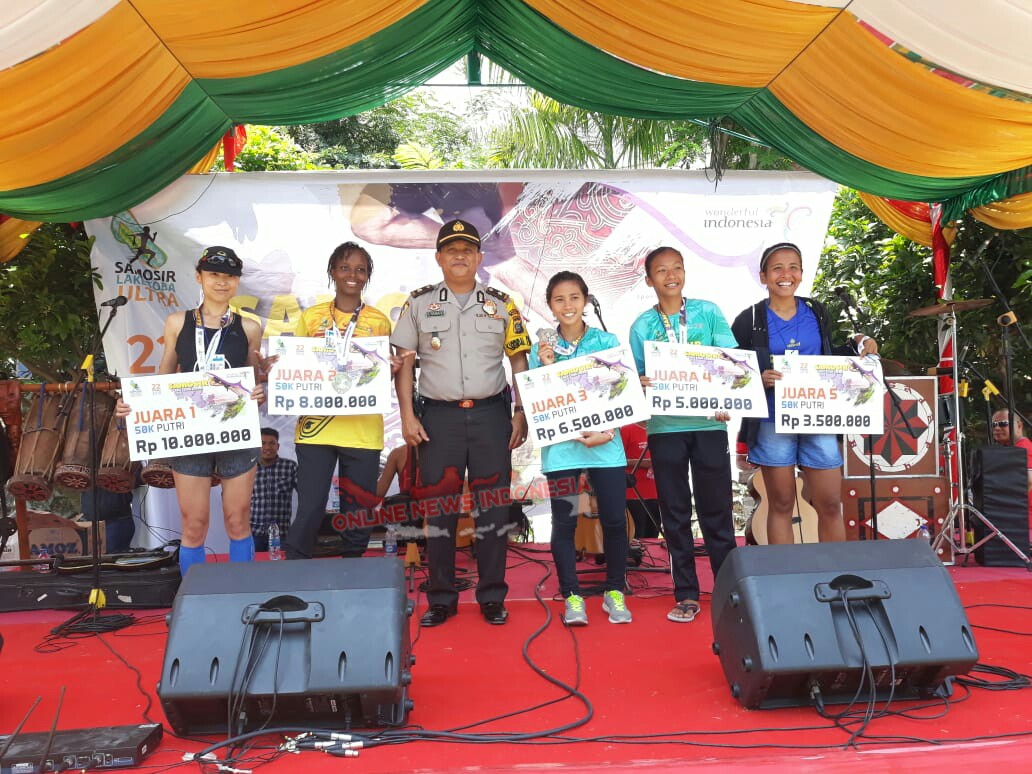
x=73, y=472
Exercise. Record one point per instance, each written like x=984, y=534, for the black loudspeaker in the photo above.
x=999, y=481
x=317, y=642
x=793, y=624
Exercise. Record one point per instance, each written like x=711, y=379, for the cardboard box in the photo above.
x=68, y=537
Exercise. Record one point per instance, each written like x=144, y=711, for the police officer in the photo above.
x=460, y=329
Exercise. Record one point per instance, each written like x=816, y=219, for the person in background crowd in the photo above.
x=598, y=453
x=782, y=323
x=274, y=485
x=461, y=331
x=1001, y=427
x=116, y=511
x=679, y=445
x=349, y=444
x=644, y=511
x=213, y=337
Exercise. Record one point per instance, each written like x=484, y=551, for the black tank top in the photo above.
x=233, y=343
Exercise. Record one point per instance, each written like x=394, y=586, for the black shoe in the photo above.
x=494, y=612
x=437, y=615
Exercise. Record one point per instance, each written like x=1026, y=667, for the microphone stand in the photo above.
x=988, y=391
x=97, y=598
x=1006, y=321
x=869, y=439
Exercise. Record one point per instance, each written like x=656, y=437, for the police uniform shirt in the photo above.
x=471, y=339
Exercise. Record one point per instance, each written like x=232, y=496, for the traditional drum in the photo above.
x=73, y=472
x=42, y=435
x=116, y=473
x=158, y=473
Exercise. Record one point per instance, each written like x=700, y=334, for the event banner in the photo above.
x=828, y=395
x=599, y=391
x=309, y=377
x=532, y=224
x=191, y=413
x=691, y=380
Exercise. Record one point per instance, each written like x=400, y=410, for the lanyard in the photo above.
x=568, y=349
x=682, y=332
x=342, y=343
x=209, y=358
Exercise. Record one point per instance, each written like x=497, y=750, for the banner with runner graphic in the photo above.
x=284, y=225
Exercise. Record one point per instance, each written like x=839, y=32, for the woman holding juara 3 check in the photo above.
x=599, y=453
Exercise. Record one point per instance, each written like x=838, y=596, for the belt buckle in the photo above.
x=466, y=404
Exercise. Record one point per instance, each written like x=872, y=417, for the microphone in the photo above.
x=116, y=302
x=845, y=298
x=593, y=299
x=548, y=336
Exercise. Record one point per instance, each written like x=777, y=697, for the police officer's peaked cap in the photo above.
x=457, y=229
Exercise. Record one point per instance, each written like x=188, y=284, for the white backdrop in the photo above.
x=284, y=225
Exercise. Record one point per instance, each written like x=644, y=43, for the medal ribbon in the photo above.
x=342, y=343
x=682, y=333
x=205, y=356
x=567, y=349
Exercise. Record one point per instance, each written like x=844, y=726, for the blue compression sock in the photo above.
x=241, y=550
x=189, y=556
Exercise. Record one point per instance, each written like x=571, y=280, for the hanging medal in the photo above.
x=209, y=358
x=681, y=337
x=564, y=348
x=435, y=342
x=341, y=343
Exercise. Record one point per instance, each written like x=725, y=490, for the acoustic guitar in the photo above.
x=804, y=520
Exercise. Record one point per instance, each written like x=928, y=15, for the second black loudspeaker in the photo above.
x=317, y=642
x=999, y=479
x=794, y=625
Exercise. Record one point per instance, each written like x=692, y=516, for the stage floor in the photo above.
x=657, y=694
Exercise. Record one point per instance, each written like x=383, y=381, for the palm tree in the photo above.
x=549, y=134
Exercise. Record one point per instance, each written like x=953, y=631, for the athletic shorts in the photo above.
x=226, y=464
x=779, y=450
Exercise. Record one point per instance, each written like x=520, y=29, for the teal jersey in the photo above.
x=705, y=325
x=571, y=455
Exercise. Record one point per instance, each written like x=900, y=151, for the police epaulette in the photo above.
x=503, y=297
x=420, y=291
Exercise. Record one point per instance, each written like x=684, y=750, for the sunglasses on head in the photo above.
x=1001, y=423
x=221, y=259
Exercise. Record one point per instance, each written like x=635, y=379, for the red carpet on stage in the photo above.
x=658, y=695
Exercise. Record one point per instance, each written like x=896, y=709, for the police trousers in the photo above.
x=471, y=442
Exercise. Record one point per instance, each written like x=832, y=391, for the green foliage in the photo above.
x=370, y=140
x=414, y=156
x=270, y=149
x=549, y=134
x=47, y=312
x=891, y=276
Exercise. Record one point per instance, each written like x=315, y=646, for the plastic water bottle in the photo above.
x=390, y=541
x=43, y=556
x=275, y=550
x=924, y=534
